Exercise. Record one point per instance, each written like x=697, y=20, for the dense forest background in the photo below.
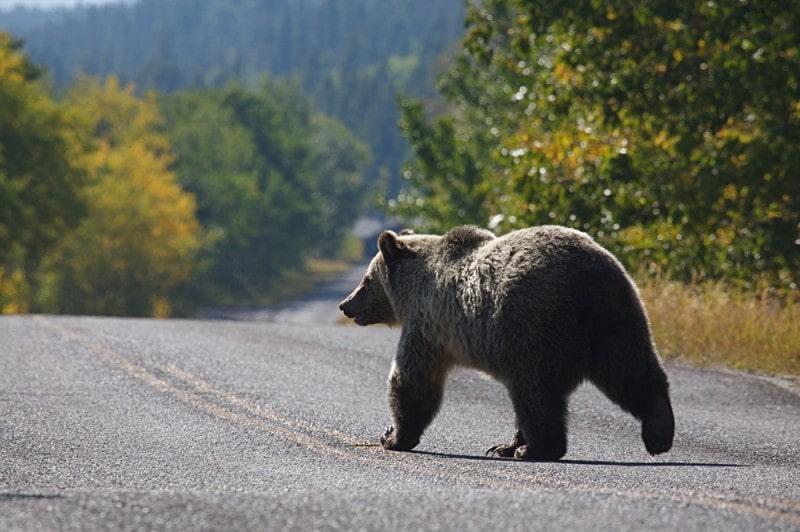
x=352, y=58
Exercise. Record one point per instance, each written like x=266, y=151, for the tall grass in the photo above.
x=712, y=325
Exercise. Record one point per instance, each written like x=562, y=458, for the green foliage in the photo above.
x=274, y=183
x=338, y=161
x=669, y=131
x=448, y=171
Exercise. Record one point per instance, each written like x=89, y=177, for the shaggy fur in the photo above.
x=540, y=309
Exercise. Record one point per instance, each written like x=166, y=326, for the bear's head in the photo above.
x=370, y=303
x=404, y=270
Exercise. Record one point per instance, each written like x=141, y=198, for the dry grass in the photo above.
x=710, y=325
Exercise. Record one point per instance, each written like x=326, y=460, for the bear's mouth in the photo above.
x=360, y=320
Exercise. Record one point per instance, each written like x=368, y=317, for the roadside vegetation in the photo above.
x=710, y=324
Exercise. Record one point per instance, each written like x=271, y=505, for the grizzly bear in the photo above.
x=539, y=309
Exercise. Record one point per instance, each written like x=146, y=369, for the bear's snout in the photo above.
x=368, y=303
x=346, y=307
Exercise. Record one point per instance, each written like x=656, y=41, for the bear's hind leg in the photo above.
x=644, y=392
x=507, y=450
x=542, y=424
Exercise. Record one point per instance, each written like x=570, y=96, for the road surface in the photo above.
x=133, y=424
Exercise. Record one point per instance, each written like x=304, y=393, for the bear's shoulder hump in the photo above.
x=467, y=237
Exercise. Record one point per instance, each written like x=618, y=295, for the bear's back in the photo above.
x=529, y=269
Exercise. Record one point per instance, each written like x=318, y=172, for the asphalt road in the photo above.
x=139, y=424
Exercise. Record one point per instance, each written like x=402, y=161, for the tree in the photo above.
x=41, y=174
x=671, y=132
x=275, y=184
x=138, y=241
x=216, y=159
x=339, y=161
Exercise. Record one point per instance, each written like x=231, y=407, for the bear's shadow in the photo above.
x=578, y=462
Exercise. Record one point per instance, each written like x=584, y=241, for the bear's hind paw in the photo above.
x=526, y=452
x=503, y=450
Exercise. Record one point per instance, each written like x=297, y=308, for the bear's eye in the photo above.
x=366, y=281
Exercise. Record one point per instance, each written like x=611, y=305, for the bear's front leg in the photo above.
x=416, y=386
x=414, y=400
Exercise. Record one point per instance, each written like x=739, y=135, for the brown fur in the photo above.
x=540, y=309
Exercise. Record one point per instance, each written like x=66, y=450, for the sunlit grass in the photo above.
x=712, y=325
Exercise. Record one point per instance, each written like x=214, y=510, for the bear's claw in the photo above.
x=386, y=439
x=503, y=450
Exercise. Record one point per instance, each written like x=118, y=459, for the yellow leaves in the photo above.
x=675, y=25
x=796, y=110
x=730, y=193
x=664, y=141
x=18, y=93
x=776, y=211
x=600, y=33
x=738, y=129
x=567, y=76
x=161, y=307
x=561, y=73
x=138, y=240
x=116, y=114
x=11, y=68
x=12, y=63
x=565, y=152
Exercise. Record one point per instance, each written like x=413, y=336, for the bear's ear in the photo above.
x=391, y=248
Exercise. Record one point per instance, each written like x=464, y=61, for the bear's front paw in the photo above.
x=387, y=440
x=391, y=442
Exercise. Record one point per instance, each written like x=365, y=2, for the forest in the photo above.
x=116, y=203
